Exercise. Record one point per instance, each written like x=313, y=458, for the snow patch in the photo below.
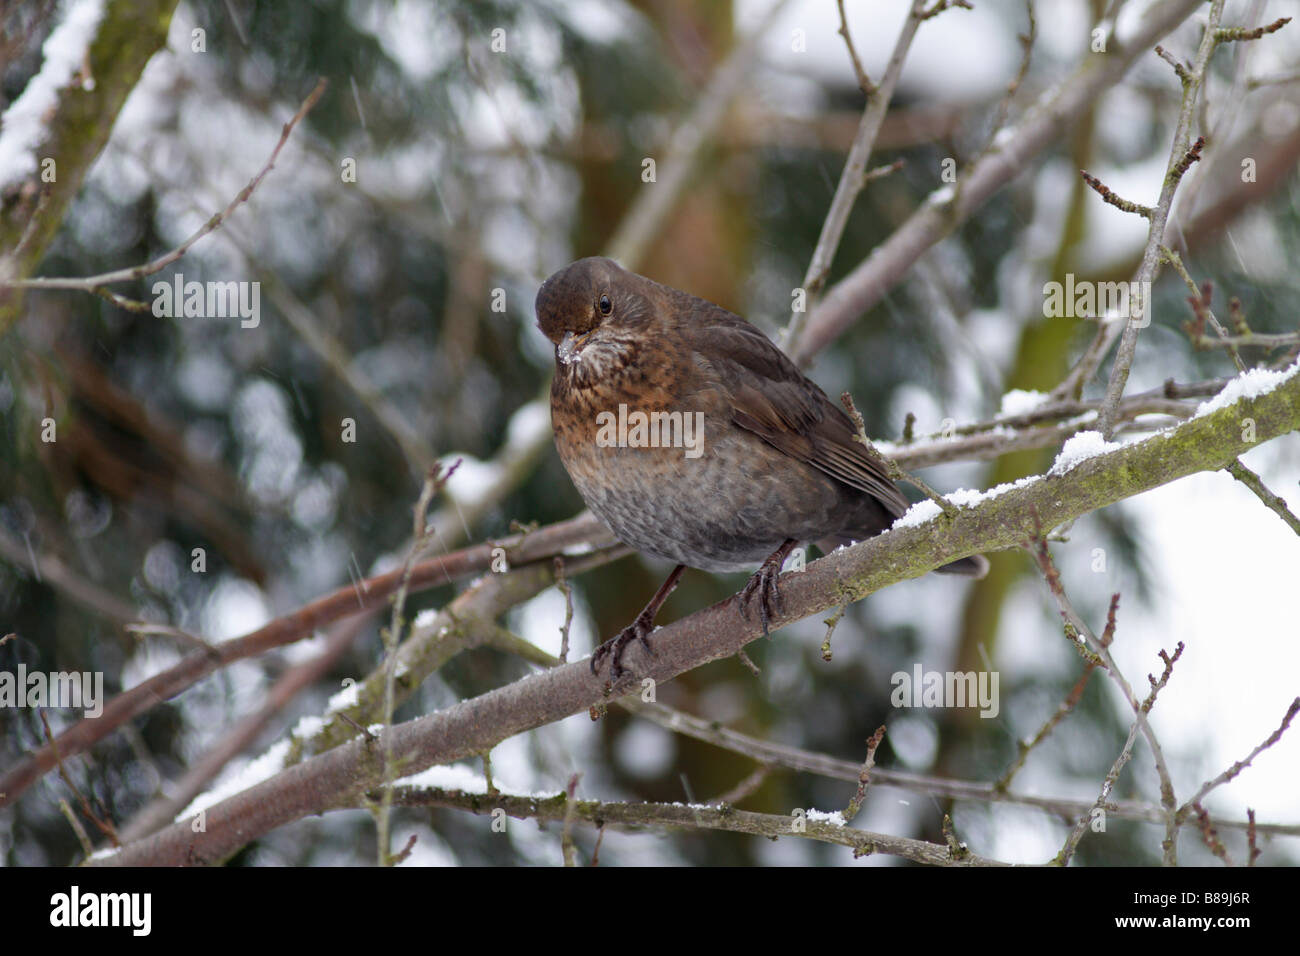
x=921, y=512
x=344, y=699
x=1019, y=401
x=460, y=777
x=925, y=509
x=22, y=128
x=941, y=196
x=1249, y=384
x=249, y=775
x=308, y=727
x=1079, y=447
x=834, y=818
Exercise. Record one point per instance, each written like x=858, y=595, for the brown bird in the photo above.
x=695, y=439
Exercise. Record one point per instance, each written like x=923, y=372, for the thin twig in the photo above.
x=1179, y=151
x=853, y=176
x=562, y=583
x=1140, y=721
x=1234, y=34
x=1210, y=835
x=1261, y=490
x=1251, y=838
x=831, y=623
x=567, y=846
x=743, y=788
x=696, y=817
x=83, y=837
x=1066, y=707
x=93, y=283
x=890, y=467
x=434, y=482
x=1201, y=305
x=103, y=823
x=951, y=205
x=864, y=777
x=181, y=636
x=1113, y=198
x=864, y=81
x=1240, y=765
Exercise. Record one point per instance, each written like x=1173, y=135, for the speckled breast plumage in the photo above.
x=725, y=510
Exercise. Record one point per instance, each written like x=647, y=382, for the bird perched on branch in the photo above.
x=695, y=439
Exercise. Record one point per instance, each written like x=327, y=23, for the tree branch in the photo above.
x=129, y=34
x=340, y=777
x=693, y=817
x=853, y=177
x=946, y=208
x=1179, y=152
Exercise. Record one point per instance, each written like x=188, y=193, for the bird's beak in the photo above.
x=569, y=347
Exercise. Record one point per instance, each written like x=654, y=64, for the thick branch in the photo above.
x=128, y=36
x=343, y=603
x=693, y=817
x=341, y=777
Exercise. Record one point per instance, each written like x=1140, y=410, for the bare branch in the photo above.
x=338, y=777
x=1256, y=484
x=642, y=223
x=94, y=283
x=864, y=81
x=1241, y=765
x=864, y=776
x=1178, y=160
x=693, y=817
x=948, y=208
x=854, y=175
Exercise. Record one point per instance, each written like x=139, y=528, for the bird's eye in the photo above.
x=605, y=305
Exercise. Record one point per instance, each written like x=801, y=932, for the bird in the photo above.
x=696, y=440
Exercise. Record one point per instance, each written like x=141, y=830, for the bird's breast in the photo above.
x=675, y=478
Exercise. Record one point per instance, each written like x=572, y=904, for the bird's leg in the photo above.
x=638, y=630
x=764, y=584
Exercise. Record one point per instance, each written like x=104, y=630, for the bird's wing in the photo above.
x=771, y=398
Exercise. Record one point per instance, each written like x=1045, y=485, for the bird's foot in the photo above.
x=638, y=630
x=764, y=585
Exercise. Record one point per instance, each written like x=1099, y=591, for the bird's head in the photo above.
x=592, y=311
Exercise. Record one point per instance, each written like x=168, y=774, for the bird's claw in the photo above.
x=764, y=584
x=638, y=630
